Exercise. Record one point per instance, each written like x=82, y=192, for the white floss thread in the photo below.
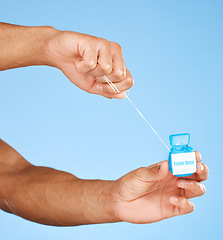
x=115, y=89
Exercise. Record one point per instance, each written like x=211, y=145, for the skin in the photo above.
x=52, y=197
x=150, y=194
x=84, y=59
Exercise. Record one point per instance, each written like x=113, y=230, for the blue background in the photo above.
x=174, y=52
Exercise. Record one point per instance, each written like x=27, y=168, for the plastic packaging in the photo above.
x=182, y=159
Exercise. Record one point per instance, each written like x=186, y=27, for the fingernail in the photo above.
x=122, y=94
x=183, y=182
x=201, y=167
x=99, y=89
x=125, y=71
x=173, y=200
x=155, y=168
x=200, y=155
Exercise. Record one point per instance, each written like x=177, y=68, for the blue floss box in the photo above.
x=182, y=159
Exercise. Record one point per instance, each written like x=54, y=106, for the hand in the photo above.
x=84, y=59
x=151, y=194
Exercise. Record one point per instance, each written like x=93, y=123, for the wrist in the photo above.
x=43, y=35
x=23, y=46
x=109, y=200
x=97, y=201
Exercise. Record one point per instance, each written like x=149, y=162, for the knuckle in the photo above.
x=183, y=201
x=116, y=46
x=203, y=188
x=104, y=41
x=91, y=64
x=107, y=68
x=129, y=82
x=120, y=73
x=140, y=172
x=78, y=67
x=200, y=188
x=109, y=90
x=192, y=207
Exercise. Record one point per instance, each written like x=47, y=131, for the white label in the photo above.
x=183, y=163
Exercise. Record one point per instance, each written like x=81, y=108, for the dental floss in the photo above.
x=115, y=89
x=182, y=159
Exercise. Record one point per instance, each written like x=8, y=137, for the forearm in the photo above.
x=52, y=197
x=22, y=46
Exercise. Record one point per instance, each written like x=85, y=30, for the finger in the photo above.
x=202, y=172
x=119, y=70
x=107, y=91
x=121, y=86
x=192, y=188
x=117, y=96
x=198, y=156
x=97, y=88
x=118, y=65
x=183, y=205
x=88, y=61
x=104, y=62
x=154, y=172
x=143, y=180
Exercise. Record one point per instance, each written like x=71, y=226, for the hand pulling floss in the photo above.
x=182, y=160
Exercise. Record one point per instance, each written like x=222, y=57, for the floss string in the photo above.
x=115, y=89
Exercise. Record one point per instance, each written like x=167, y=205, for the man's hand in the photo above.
x=53, y=197
x=151, y=194
x=84, y=59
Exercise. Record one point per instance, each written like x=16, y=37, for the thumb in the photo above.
x=141, y=181
x=99, y=88
x=88, y=59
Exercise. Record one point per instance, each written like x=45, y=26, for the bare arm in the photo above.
x=53, y=197
x=84, y=59
x=49, y=196
x=22, y=46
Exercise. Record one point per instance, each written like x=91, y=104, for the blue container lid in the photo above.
x=179, y=140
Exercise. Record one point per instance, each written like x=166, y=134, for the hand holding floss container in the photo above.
x=182, y=160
